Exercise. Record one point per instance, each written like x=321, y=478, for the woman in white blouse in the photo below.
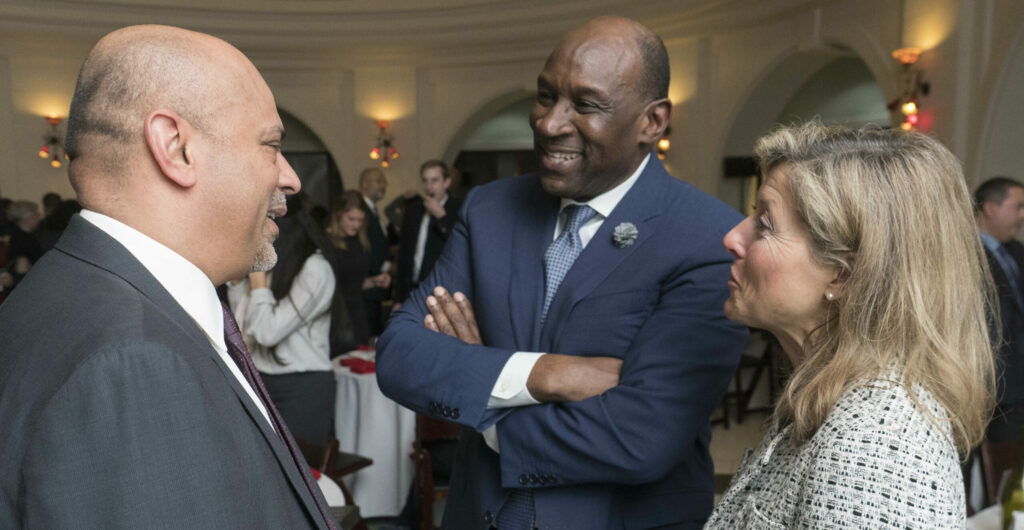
x=287, y=323
x=863, y=259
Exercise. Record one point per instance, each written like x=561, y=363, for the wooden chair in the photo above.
x=431, y=483
x=995, y=459
x=755, y=366
x=327, y=459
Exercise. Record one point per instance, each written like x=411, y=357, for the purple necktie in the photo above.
x=240, y=354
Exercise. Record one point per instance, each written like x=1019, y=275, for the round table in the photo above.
x=369, y=424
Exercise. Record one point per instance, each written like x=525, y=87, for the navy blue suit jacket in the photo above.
x=634, y=457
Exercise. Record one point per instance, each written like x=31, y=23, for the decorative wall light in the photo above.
x=385, y=149
x=53, y=145
x=664, y=144
x=913, y=88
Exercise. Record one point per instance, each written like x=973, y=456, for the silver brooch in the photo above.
x=624, y=235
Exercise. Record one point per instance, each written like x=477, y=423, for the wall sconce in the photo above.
x=913, y=88
x=385, y=149
x=53, y=145
x=664, y=144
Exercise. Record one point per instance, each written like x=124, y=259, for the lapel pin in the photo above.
x=624, y=235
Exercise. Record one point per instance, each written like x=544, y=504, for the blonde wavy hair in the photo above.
x=892, y=211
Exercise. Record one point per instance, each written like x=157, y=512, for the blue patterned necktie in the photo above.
x=517, y=513
x=563, y=251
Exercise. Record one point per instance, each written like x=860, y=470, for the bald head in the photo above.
x=654, y=74
x=137, y=69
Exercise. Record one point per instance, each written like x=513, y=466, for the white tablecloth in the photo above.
x=371, y=425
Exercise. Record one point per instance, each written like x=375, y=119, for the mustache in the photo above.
x=278, y=199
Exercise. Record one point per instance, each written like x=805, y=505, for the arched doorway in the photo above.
x=308, y=156
x=831, y=87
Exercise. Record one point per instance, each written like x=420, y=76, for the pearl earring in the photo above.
x=830, y=297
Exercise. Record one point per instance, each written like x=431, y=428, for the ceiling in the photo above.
x=380, y=31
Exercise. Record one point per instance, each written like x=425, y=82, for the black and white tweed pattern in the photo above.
x=876, y=462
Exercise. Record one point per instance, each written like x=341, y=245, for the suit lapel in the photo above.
x=87, y=242
x=641, y=206
x=534, y=227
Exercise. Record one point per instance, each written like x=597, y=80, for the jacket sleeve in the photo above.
x=673, y=376
x=428, y=371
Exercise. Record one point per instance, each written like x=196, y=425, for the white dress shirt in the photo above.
x=421, y=242
x=188, y=285
x=510, y=388
x=296, y=327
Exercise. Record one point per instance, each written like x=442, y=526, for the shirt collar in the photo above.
x=604, y=203
x=369, y=203
x=188, y=285
x=990, y=242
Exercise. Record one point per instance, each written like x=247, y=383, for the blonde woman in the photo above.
x=863, y=259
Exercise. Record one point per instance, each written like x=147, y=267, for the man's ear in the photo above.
x=655, y=118
x=168, y=136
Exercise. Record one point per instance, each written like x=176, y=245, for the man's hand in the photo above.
x=380, y=280
x=452, y=315
x=434, y=206
x=558, y=377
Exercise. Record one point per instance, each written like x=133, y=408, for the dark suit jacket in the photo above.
x=1009, y=357
x=380, y=251
x=437, y=233
x=635, y=457
x=118, y=413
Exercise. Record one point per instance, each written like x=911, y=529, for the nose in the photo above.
x=287, y=180
x=735, y=242
x=551, y=121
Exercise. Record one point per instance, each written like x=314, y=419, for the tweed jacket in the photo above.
x=876, y=462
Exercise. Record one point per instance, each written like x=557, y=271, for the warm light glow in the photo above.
x=909, y=108
x=384, y=164
x=928, y=24
x=912, y=119
x=664, y=144
x=55, y=163
x=906, y=55
x=44, y=152
x=906, y=126
x=374, y=153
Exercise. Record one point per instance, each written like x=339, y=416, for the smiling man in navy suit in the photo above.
x=598, y=348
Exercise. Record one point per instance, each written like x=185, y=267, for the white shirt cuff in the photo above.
x=510, y=388
x=490, y=435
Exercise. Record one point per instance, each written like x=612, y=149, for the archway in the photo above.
x=998, y=148
x=834, y=86
x=495, y=142
x=309, y=157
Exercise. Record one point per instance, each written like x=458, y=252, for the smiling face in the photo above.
x=588, y=116
x=252, y=176
x=776, y=284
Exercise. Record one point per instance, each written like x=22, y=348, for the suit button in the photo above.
x=455, y=413
x=523, y=479
x=554, y=478
x=447, y=412
x=433, y=406
x=488, y=516
x=533, y=478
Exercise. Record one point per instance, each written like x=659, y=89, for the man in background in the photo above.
x=599, y=347
x=373, y=186
x=125, y=398
x=427, y=223
x=1000, y=214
